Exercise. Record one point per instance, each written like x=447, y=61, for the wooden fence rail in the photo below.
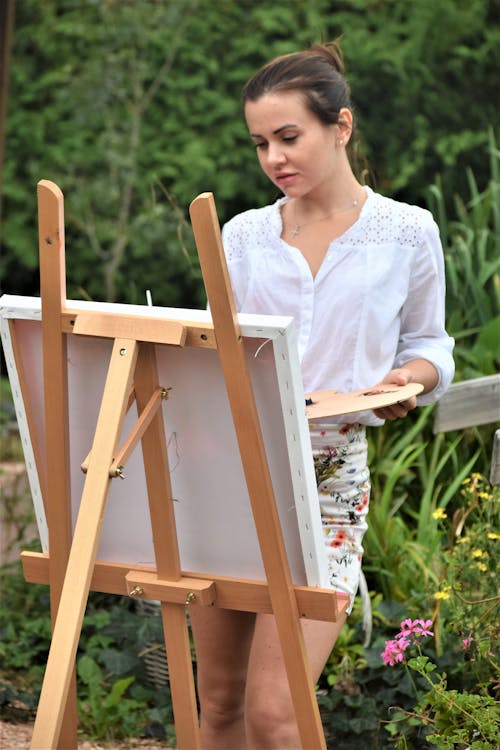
x=471, y=403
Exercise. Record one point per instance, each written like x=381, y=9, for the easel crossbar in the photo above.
x=199, y=335
x=231, y=593
x=152, y=330
x=135, y=435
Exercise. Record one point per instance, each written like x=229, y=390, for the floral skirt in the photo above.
x=343, y=479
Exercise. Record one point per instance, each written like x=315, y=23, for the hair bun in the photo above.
x=332, y=52
x=316, y=72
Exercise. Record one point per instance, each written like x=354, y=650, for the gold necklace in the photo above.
x=296, y=230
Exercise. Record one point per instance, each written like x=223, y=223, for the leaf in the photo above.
x=89, y=671
x=118, y=689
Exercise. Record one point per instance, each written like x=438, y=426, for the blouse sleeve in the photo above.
x=422, y=333
x=235, y=251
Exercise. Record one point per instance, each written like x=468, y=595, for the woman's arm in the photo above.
x=415, y=371
x=424, y=346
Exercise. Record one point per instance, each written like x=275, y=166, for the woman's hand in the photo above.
x=415, y=371
x=401, y=376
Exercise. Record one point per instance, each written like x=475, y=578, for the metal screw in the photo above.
x=190, y=597
x=119, y=472
x=137, y=591
x=123, y=352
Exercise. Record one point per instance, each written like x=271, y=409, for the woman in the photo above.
x=363, y=277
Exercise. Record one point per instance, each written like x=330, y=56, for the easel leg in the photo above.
x=55, y=472
x=181, y=676
x=84, y=548
x=154, y=448
x=256, y=468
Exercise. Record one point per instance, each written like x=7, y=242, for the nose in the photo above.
x=275, y=155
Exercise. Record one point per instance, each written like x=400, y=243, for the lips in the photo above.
x=285, y=178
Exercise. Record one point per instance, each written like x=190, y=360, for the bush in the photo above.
x=116, y=697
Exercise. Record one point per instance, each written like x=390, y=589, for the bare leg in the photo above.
x=222, y=640
x=270, y=716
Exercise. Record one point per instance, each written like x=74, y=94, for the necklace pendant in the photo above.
x=295, y=230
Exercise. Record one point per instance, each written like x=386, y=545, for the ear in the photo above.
x=344, y=125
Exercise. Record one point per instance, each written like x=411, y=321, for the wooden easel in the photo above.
x=71, y=567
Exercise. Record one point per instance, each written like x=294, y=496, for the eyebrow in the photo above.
x=278, y=130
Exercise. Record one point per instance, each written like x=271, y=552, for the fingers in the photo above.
x=396, y=411
x=400, y=376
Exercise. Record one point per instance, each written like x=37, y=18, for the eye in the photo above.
x=290, y=138
x=260, y=144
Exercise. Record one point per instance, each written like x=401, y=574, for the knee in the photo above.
x=222, y=705
x=270, y=720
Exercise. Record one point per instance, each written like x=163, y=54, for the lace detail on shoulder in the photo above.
x=253, y=229
x=388, y=221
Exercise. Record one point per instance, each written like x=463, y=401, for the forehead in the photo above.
x=272, y=111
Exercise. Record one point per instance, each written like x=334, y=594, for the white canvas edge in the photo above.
x=301, y=459
x=24, y=432
x=279, y=330
x=29, y=308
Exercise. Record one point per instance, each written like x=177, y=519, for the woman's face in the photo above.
x=296, y=150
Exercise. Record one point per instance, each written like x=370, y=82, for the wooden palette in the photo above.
x=333, y=403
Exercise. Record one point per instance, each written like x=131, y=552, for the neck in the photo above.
x=312, y=207
x=329, y=196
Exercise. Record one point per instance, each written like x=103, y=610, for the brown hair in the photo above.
x=317, y=73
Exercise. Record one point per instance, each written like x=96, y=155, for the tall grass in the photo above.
x=413, y=471
x=472, y=256
x=413, y=474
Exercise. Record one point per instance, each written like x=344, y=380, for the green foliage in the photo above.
x=98, y=71
x=469, y=601
x=104, y=711
x=472, y=257
x=413, y=474
x=363, y=704
x=116, y=697
x=357, y=694
x=10, y=447
x=456, y=719
x=465, y=712
x=24, y=639
x=424, y=64
x=450, y=718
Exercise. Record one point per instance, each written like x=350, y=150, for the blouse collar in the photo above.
x=276, y=223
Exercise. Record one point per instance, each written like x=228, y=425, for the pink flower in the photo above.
x=415, y=627
x=421, y=627
x=394, y=651
x=466, y=643
x=410, y=632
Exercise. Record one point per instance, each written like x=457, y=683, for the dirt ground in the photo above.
x=18, y=737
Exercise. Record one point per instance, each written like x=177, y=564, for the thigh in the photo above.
x=269, y=710
x=267, y=666
x=222, y=640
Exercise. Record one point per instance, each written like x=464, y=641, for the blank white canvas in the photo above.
x=214, y=519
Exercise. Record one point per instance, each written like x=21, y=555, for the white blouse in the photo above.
x=376, y=302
